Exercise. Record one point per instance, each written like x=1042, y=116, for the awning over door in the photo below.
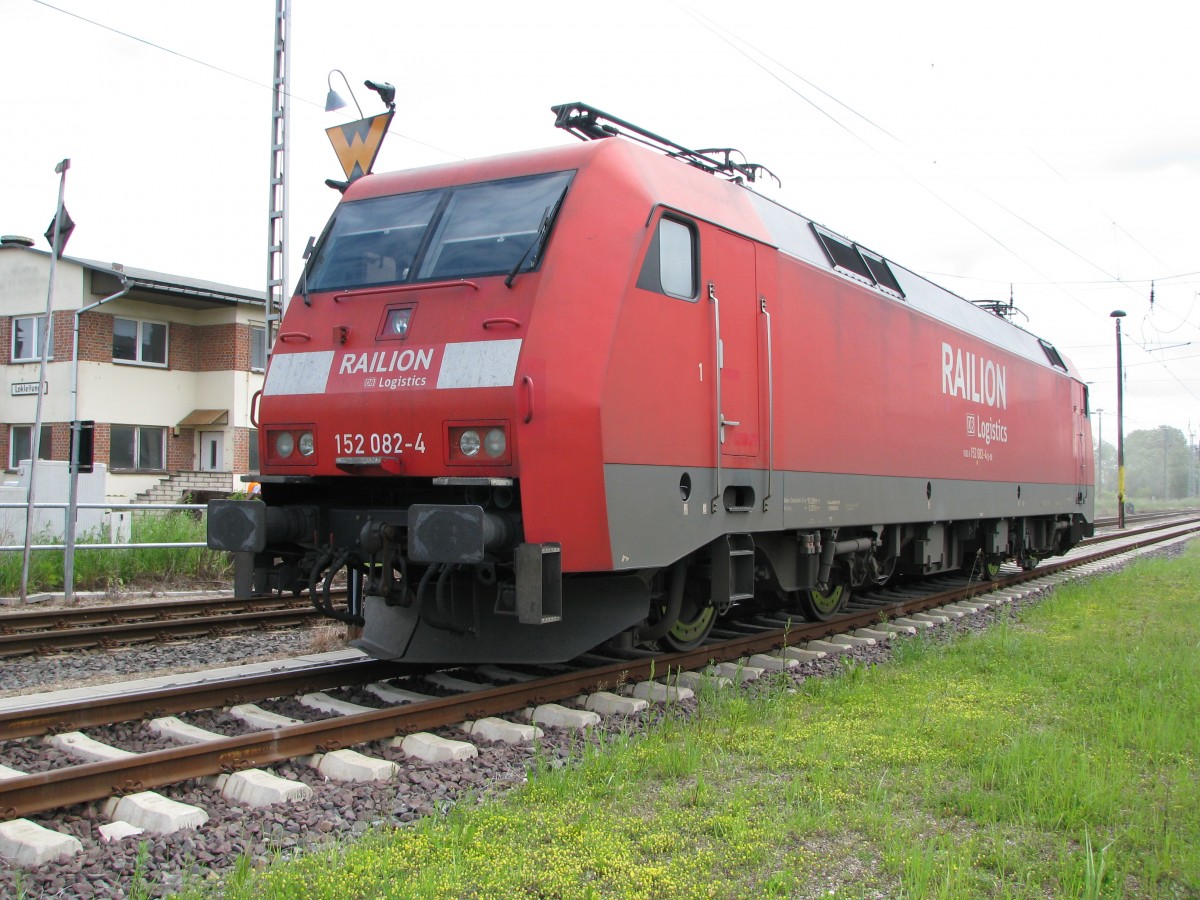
x=198, y=418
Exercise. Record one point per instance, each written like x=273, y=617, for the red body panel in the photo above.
x=609, y=373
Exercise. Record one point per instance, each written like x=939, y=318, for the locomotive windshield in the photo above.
x=466, y=231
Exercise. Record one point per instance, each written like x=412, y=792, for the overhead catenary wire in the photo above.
x=200, y=62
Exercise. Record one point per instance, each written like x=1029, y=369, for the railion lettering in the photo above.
x=973, y=377
x=384, y=361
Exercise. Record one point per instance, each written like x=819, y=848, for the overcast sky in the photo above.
x=1053, y=146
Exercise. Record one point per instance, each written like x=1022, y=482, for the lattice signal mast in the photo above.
x=277, y=283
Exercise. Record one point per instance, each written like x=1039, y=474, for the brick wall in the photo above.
x=95, y=337
x=183, y=347
x=181, y=454
x=218, y=347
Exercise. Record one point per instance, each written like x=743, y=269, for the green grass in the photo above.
x=103, y=570
x=1055, y=755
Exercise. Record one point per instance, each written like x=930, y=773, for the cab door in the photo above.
x=733, y=298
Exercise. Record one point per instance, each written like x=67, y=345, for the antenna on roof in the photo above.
x=590, y=124
x=1007, y=311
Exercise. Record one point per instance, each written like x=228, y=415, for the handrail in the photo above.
x=716, y=304
x=527, y=381
x=404, y=288
x=762, y=305
x=501, y=320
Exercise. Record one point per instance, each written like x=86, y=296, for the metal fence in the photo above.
x=112, y=545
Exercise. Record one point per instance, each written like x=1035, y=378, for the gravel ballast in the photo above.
x=337, y=811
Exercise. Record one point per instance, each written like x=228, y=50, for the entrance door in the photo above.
x=212, y=445
x=734, y=285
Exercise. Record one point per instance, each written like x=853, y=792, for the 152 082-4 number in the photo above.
x=376, y=443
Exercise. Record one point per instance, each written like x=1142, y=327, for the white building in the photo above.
x=167, y=370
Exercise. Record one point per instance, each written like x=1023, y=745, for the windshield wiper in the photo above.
x=312, y=242
x=535, y=247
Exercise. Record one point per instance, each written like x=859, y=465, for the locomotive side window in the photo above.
x=670, y=264
x=852, y=258
x=1052, y=354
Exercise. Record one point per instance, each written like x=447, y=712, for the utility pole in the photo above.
x=35, y=443
x=1118, y=315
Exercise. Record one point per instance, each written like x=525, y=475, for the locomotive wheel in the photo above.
x=991, y=568
x=691, y=628
x=821, y=606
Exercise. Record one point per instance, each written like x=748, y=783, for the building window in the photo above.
x=258, y=348
x=20, y=444
x=139, y=448
x=252, y=465
x=141, y=342
x=28, y=333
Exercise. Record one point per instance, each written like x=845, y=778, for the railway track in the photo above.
x=108, y=626
x=471, y=694
x=124, y=624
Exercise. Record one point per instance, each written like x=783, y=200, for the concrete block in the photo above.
x=118, y=831
x=500, y=675
x=979, y=604
x=827, y=647
x=457, y=685
x=493, y=729
x=6, y=773
x=325, y=703
x=948, y=611
x=697, y=681
x=850, y=640
x=155, y=813
x=606, y=703
x=914, y=624
x=737, y=671
x=771, y=663
x=551, y=715
x=254, y=787
x=801, y=655
x=177, y=730
x=398, y=696
x=349, y=765
x=257, y=717
x=661, y=693
x=434, y=749
x=882, y=633
x=964, y=608
x=931, y=618
x=81, y=746
x=27, y=844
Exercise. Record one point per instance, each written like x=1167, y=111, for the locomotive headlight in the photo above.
x=284, y=444
x=397, y=322
x=306, y=444
x=495, y=443
x=469, y=442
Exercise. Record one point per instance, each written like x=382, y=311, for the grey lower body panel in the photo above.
x=594, y=610
x=651, y=525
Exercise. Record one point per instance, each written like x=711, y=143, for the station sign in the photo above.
x=30, y=388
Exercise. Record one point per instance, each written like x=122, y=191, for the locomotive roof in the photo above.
x=689, y=190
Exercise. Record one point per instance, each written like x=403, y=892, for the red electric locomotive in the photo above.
x=599, y=392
